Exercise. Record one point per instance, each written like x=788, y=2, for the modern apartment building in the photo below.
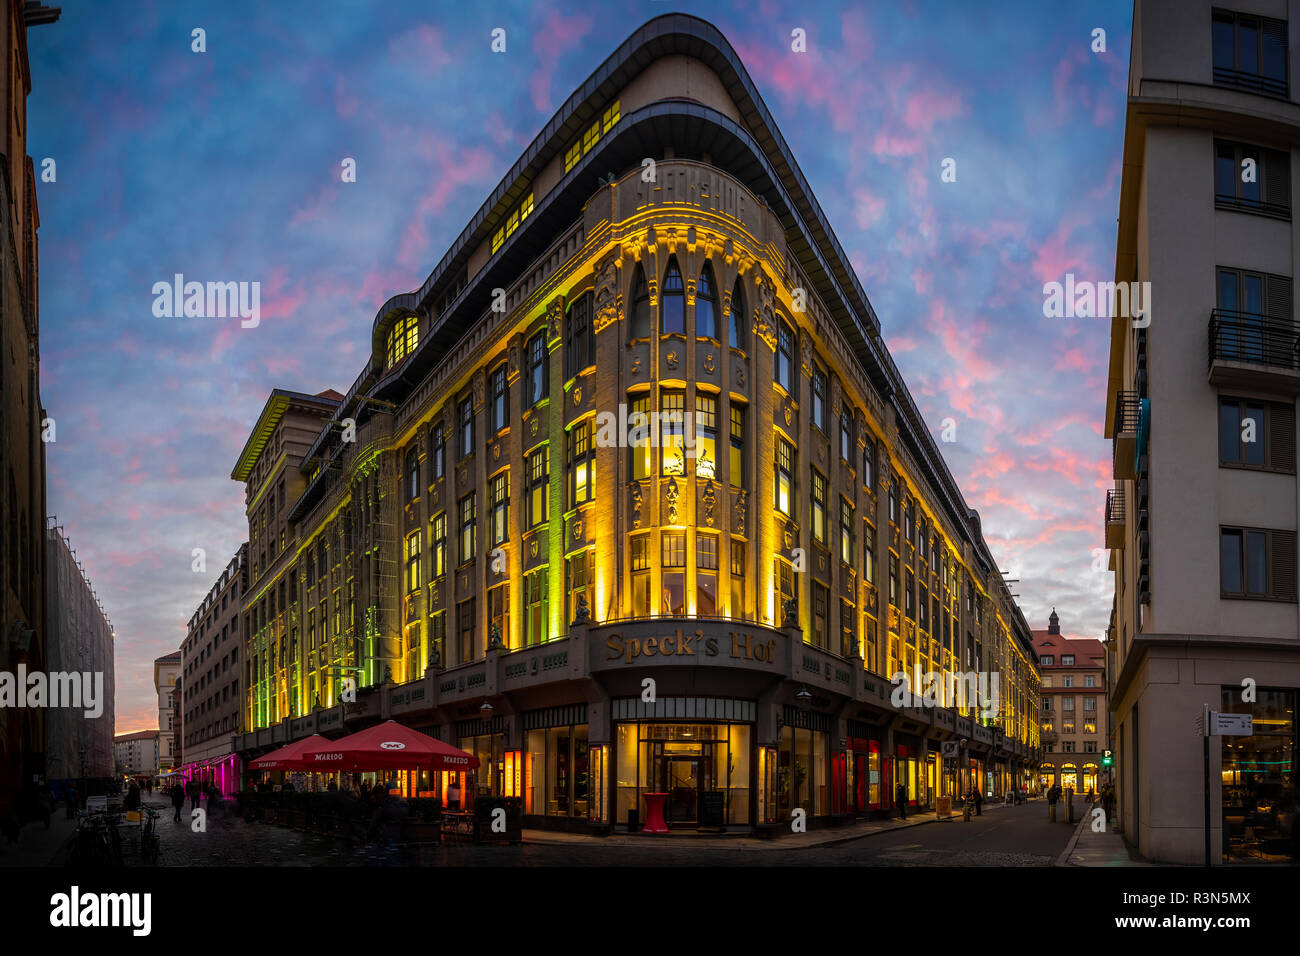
x=1201, y=410
x=166, y=674
x=137, y=753
x=80, y=641
x=1074, y=730
x=630, y=497
x=22, y=450
x=211, y=699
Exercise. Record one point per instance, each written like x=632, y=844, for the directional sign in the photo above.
x=1233, y=725
x=949, y=748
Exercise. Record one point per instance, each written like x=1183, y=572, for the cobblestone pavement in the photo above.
x=1011, y=836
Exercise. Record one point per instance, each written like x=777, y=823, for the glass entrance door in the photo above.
x=683, y=788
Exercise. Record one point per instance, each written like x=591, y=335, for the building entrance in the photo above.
x=684, y=778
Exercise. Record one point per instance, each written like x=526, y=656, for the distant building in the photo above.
x=79, y=640
x=136, y=753
x=1074, y=729
x=209, y=707
x=166, y=672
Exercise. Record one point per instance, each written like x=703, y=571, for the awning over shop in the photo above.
x=288, y=757
x=386, y=746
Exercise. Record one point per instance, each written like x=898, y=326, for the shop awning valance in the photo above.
x=288, y=757
x=386, y=746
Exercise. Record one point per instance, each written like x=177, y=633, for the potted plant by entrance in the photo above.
x=498, y=820
x=423, y=823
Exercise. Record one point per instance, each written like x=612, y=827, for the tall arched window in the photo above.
x=640, y=306
x=673, y=307
x=706, y=305
x=738, y=337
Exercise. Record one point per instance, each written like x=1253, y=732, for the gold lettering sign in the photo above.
x=743, y=647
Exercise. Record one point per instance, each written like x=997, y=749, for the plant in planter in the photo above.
x=423, y=822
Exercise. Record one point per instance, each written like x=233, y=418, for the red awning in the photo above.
x=387, y=746
x=288, y=758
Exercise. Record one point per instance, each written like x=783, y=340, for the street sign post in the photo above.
x=1214, y=724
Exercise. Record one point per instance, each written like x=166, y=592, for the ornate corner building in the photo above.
x=630, y=496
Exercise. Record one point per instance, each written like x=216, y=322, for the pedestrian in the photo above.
x=979, y=802
x=453, y=794
x=132, y=801
x=178, y=801
x=900, y=794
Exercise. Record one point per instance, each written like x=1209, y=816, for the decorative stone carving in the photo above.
x=738, y=512
x=577, y=530
x=636, y=367
x=791, y=609
x=512, y=363
x=494, y=637
x=532, y=548
x=577, y=395
x=479, y=386
x=637, y=502
x=671, y=494
x=789, y=415
x=690, y=291
x=740, y=375
x=607, y=297
x=671, y=359
x=581, y=613
x=554, y=318
x=765, y=311
x=708, y=363
x=710, y=499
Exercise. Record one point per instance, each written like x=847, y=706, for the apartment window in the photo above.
x=893, y=502
x=1067, y=703
x=498, y=238
x=591, y=137
x=1067, y=680
x=1257, y=563
x=1252, y=179
x=413, y=562
x=706, y=305
x=640, y=305
x=820, y=615
x=1090, y=703
x=402, y=339
x=784, y=370
x=1250, y=52
x=736, y=464
x=846, y=436
x=706, y=435
x=869, y=465
x=672, y=424
x=783, y=585
x=869, y=555
x=640, y=448
x=412, y=474
x=579, y=337
x=818, y=507
x=571, y=157
x=468, y=519
x=465, y=630
x=537, y=387
x=673, y=301
x=465, y=416
x=1089, y=680
x=846, y=532
x=673, y=561
x=439, y=541
x=610, y=117
x=536, y=497
x=438, y=453
x=582, y=464
x=578, y=575
x=706, y=575
x=500, y=398
x=1047, y=660
x=499, y=612
x=641, y=575
x=536, y=619
x=893, y=580
x=1254, y=434
x=738, y=606
x=499, y=492
x=818, y=397
x=924, y=607
x=1067, y=727
x=784, y=477
x=1067, y=660
x=739, y=333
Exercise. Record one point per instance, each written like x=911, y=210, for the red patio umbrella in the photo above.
x=289, y=757
x=386, y=746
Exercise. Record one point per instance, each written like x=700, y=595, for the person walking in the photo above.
x=194, y=796
x=900, y=795
x=979, y=802
x=178, y=801
x=453, y=794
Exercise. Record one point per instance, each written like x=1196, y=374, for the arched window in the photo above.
x=738, y=337
x=673, y=314
x=706, y=305
x=640, y=306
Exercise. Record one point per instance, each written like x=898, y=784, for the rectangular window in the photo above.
x=784, y=477
x=413, y=562
x=412, y=474
x=582, y=464
x=591, y=137
x=782, y=585
x=536, y=619
x=640, y=447
x=465, y=631
x=1257, y=563
x=1256, y=434
x=846, y=532
x=893, y=580
x=674, y=572
x=818, y=507
x=909, y=594
x=869, y=465
x=869, y=554
x=1252, y=179
x=465, y=418
x=784, y=358
x=498, y=238
x=706, y=575
x=439, y=539
x=537, y=386
x=438, y=453
x=610, y=117
x=672, y=426
x=468, y=519
x=536, y=493
x=571, y=156
x=819, y=397
x=579, y=337
x=706, y=436
x=500, y=398
x=1250, y=52
x=738, y=607
x=820, y=615
x=578, y=581
x=499, y=496
x=641, y=575
x=846, y=437
x=736, y=463
x=499, y=614
x=893, y=502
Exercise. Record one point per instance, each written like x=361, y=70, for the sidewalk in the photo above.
x=1107, y=848
x=787, y=841
x=37, y=846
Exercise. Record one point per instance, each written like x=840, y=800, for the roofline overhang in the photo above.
x=274, y=409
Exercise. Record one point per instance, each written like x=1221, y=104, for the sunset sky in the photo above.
x=224, y=165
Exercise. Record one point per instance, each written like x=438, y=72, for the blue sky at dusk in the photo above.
x=225, y=166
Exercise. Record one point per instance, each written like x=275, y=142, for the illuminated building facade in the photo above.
x=630, y=497
x=1074, y=732
x=166, y=683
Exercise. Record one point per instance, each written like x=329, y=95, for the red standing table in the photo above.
x=654, y=813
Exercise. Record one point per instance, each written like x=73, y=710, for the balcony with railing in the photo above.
x=1127, y=412
x=1115, y=517
x=1250, y=350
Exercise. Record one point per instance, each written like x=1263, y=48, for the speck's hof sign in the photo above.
x=684, y=647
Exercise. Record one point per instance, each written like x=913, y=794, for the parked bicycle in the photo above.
x=150, y=843
x=96, y=842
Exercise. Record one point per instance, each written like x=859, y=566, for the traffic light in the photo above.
x=1106, y=760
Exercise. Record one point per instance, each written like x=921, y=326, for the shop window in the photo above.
x=557, y=772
